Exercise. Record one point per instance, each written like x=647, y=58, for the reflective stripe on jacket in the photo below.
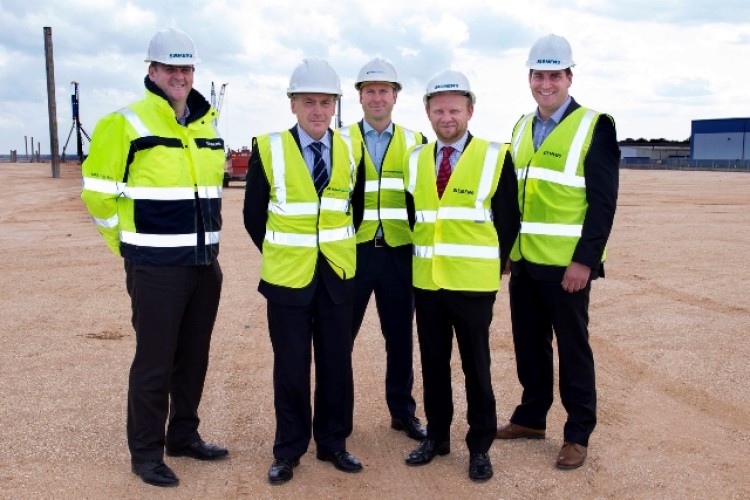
x=298, y=222
x=385, y=202
x=552, y=188
x=153, y=187
x=456, y=245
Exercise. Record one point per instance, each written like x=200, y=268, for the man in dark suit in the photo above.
x=384, y=237
x=462, y=199
x=566, y=159
x=298, y=213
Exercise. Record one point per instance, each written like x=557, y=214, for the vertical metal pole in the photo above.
x=30, y=159
x=79, y=139
x=26, y=145
x=51, y=103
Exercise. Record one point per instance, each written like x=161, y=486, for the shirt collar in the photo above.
x=557, y=115
x=305, y=140
x=368, y=129
x=182, y=121
x=459, y=145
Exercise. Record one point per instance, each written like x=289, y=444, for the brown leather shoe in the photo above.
x=571, y=456
x=514, y=431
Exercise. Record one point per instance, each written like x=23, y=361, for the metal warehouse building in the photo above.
x=720, y=139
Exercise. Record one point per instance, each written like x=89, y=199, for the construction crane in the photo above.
x=216, y=103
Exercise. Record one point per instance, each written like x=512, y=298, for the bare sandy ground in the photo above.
x=670, y=328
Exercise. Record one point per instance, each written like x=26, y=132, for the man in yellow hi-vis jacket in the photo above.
x=465, y=214
x=567, y=162
x=384, y=237
x=152, y=184
x=298, y=213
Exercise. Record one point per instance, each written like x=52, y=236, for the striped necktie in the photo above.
x=319, y=172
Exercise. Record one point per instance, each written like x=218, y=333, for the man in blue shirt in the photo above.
x=384, y=237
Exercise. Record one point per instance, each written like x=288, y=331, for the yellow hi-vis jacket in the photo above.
x=299, y=223
x=153, y=187
x=552, y=188
x=385, y=202
x=456, y=245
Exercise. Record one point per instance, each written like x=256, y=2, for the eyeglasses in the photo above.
x=171, y=70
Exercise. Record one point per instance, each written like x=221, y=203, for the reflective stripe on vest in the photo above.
x=292, y=239
x=455, y=250
x=522, y=128
x=166, y=240
x=551, y=229
x=135, y=122
x=113, y=221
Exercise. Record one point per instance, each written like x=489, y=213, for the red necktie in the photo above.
x=444, y=172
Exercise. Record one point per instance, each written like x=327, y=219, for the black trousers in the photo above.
x=174, y=310
x=294, y=331
x=539, y=308
x=439, y=314
x=386, y=272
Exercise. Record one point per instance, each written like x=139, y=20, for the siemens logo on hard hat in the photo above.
x=375, y=71
x=548, y=61
x=446, y=86
x=181, y=55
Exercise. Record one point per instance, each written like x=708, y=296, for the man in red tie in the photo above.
x=462, y=203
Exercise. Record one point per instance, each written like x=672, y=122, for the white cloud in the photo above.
x=654, y=67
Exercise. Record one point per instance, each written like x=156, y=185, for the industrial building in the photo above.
x=720, y=139
x=652, y=152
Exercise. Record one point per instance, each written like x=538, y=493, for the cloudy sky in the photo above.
x=654, y=66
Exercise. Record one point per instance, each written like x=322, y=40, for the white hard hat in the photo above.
x=550, y=52
x=449, y=81
x=314, y=76
x=171, y=46
x=378, y=70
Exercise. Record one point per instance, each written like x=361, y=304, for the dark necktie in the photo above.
x=319, y=172
x=444, y=172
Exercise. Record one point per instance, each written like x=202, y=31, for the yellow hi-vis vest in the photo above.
x=455, y=241
x=385, y=202
x=299, y=223
x=153, y=187
x=552, y=188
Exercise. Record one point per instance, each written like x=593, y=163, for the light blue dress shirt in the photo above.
x=376, y=142
x=543, y=128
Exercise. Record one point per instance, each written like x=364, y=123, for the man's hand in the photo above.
x=506, y=268
x=575, y=278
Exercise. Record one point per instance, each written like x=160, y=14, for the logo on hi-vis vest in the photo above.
x=552, y=153
x=463, y=191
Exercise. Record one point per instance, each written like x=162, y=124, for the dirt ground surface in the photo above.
x=670, y=329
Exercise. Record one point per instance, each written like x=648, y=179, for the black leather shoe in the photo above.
x=199, y=450
x=480, y=467
x=281, y=470
x=411, y=426
x=155, y=472
x=342, y=460
x=426, y=451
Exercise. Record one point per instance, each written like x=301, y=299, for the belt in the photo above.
x=379, y=242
